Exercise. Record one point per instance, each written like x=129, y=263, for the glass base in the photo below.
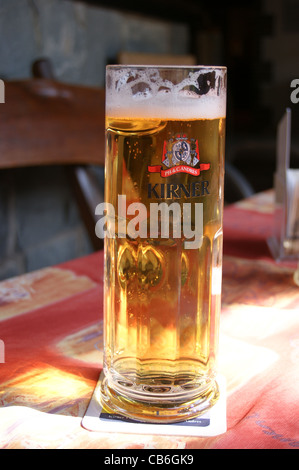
x=156, y=407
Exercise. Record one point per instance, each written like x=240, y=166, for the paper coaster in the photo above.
x=211, y=423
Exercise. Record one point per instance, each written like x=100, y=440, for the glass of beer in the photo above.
x=162, y=221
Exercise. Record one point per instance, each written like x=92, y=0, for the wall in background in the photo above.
x=39, y=221
x=280, y=50
x=80, y=39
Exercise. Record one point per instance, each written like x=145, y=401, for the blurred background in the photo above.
x=258, y=41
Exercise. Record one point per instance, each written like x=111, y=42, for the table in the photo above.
x=51, y=348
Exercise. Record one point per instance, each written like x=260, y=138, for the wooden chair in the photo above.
x=44, y=122
x=142, y=58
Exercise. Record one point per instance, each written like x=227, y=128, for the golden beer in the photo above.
x=162, y=299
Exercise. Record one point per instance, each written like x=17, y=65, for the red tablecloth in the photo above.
x=51, y=348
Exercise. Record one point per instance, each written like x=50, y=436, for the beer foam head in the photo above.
x=166, y=92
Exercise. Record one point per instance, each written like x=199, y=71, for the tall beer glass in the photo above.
x=163, y=245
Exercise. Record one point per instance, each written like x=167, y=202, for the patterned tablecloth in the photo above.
x=51, y=348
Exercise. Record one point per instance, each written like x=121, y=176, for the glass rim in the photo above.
x=178, y=67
